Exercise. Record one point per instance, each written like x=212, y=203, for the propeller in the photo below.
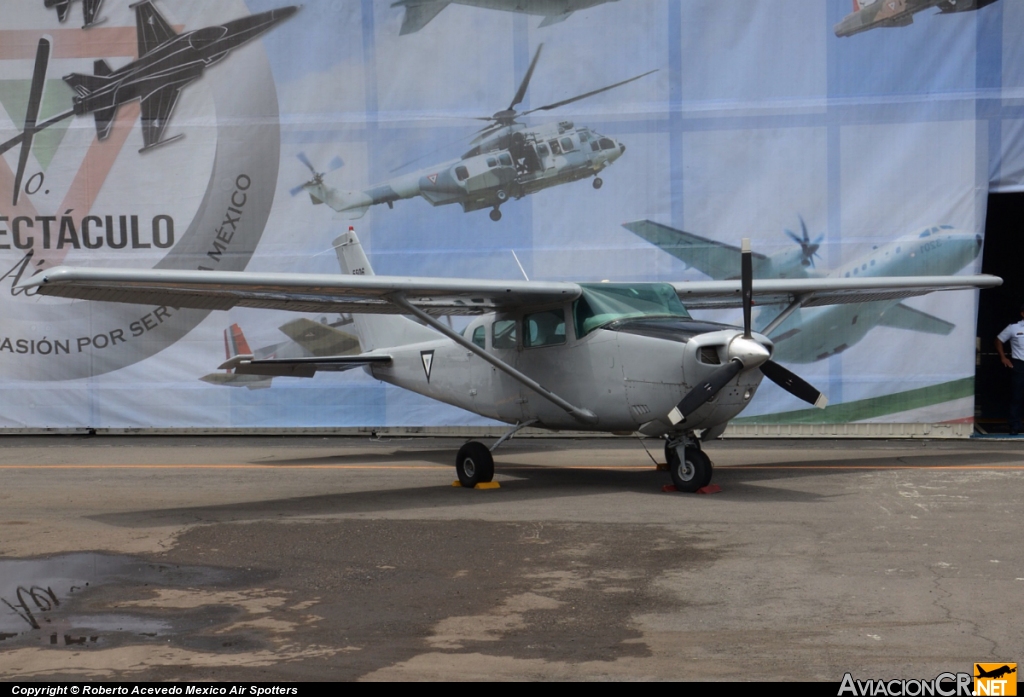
x=506, y=117
x=318, y=177
x=809, y=249
x=745, y=352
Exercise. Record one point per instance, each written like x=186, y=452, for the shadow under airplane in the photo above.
x=167, y=62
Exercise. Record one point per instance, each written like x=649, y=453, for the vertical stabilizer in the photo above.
x=376, y=331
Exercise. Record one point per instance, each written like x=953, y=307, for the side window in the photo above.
x=491, y=162
x=461, y=173
x=544, y=328
x=505, y=159
x=595, y=146
x=504, y=336
x=480, y=336
x=607, y=144
x=555, y=147
x=542, y=150
x=567, y=145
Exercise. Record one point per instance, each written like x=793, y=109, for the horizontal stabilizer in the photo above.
x=83, y=84
x=554, y=19
x=306, y=367
x=418, y=15
x=903, y=317
x=252, y=382
x=104, y=121
x=100, y=68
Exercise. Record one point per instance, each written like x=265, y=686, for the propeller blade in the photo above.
x=335, y=164
x=35, y=99
x=305, y=160
x=746, y=283
x=803, y=229
x=794, y=384
x=521, y=92
x=295, y=190
x=696, y=397
x=548, y=107
x=793, y=236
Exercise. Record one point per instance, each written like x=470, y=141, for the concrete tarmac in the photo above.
x=313, y=558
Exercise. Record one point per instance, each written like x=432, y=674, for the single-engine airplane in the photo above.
x=418, y=13
x=508, y=160
x=606, y=357
x=807, y=335
x=870, y=14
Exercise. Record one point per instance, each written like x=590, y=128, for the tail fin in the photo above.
x=376, y=331
x=856, y=5
x=351, y=204
x=235, y=343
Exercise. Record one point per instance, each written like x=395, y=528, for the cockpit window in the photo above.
x=542, y=150
x=607, y=144
x=480, y=336
x=461, y=173
x=926, y=233
x=555, y=147
x=491, y=162
x=602, y=303
x=504, y=336
x=544, y=328
x=584, y=136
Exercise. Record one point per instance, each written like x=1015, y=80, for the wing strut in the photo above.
x=583, y=415
x=790, y=309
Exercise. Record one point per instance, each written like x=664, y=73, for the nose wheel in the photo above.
x=598, y=182
x=690, y=468
x=496, y=214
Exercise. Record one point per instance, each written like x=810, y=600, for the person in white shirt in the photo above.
x=1015, y=361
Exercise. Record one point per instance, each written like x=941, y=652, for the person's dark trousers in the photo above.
x=1017, y=400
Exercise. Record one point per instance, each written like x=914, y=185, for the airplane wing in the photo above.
x=711, y=258
x=156, y=110
x=904, y=317
x=319, y=339
x=151, y=28
x=62, y=8
x=554, y=19
x=223, y=290
x=301, y=367
x=816, y=292
x=418, y=13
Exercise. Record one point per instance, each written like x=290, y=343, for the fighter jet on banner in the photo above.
x=803, y=334
x=508, y=161
x=870, y=14
x=306, y=338
x=605, y=357
x=90, y=8
x=419, y=12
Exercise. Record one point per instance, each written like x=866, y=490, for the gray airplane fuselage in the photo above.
x=177, y=62
x=899, y=13
x=812, y=334
x=547, y=8
x=654, y=361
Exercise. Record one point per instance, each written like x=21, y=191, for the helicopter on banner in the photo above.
x=508, y=160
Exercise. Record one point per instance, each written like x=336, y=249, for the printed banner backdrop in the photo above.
x=136, y=141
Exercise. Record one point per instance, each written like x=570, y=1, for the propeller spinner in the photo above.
x=746, y=353
x=808, y=248
x=318, y=177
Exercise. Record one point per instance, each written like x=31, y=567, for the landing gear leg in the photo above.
x=598, y=182
x=690, y=468
x=496, y=214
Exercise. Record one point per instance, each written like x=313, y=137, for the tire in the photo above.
x=495, y=215
x=474, y=464
x=598, y=182
x=694, y=473
x=501, y=195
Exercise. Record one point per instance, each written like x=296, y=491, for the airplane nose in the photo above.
x=622, y=148
x=283, y=12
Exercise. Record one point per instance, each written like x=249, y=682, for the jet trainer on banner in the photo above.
x=805, y=334
x=90, y=8
x=418, y=13
x=508, y=160
x=869, y=14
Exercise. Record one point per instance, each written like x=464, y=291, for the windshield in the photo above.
x=602, y=303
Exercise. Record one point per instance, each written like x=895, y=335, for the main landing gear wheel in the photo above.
x=691, y=474
x=598, y=182
x=474, y=464
x=496, y=214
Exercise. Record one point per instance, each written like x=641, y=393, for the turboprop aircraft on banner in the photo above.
x=605, y=357
x=90, y=8
x=508, y=160
x=306, y=338
x=870, y=14
x=805, y=334
x=418, y=13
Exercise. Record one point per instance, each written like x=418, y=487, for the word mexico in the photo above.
x=92, y=232
x=943, y=685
